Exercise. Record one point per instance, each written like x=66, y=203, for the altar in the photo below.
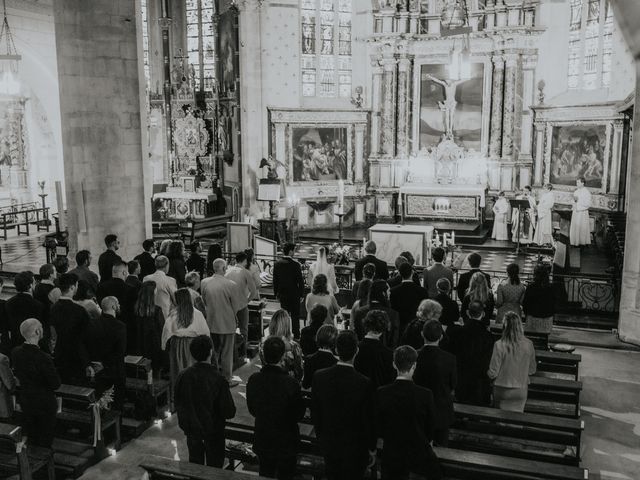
x=442, y=202
x=178, y=204
x=392, y=239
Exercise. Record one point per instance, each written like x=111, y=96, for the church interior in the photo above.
x=293, y=144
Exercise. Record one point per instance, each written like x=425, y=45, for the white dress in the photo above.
x=580, y=231
x=317, y=268
x=501, y=211
x=544, y=229
x=528, y=221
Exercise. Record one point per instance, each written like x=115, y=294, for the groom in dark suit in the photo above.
x=382, y=269
x=288, y=285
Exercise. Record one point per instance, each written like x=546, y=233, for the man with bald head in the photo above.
x=38, y=382
x=117, y=287
x=107, y=341
x=222, y=299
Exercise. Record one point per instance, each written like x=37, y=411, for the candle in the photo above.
x=453, y=237
x=399, y=199
x=341, y=195
x=444, y=239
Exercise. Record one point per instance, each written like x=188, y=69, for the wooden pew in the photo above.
x=165, y=468
x=140, y=379
x=515, y=434
x=459, y=464
x=540, y=339
x=559, y=363
x=22, y=461
x=554, y=396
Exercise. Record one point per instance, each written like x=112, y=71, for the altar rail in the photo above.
x=23, y=215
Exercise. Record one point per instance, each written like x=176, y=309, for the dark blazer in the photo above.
x=38, y=378
x=375, y=361
x=70, y=321
x=196, y=263
x=450, y=310
x=539, y=301
x=105, y=264
x=125, y=293
x=489, y=305
x=275, y=400
x=41, y=293
x=288, y=284
x=203, y=401
x=177, y=270
x=19, y=308
x=342, y=412
x=405, y=419
x=106, y=340
x=147, y=264
x=133, y=281
x=308, y=339
x=473, y=346
x=436, y=370
x=317, y=361
x=382, y=269
x=390, y=338
x=396, y=279
x=465, y=278
x=405, y=299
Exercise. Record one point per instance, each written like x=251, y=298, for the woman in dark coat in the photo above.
x=149, y=322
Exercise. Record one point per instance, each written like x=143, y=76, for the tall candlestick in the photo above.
x=453, y=237
x=341, y=194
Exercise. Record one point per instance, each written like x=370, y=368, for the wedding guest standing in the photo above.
x=133, y=279
x=480, y=291
x=474, y=259
x=428, y=311
x=149, y=323
x=512, y=362
x=450, y=310
x=500, y=213
x=288, y=285
x=374, y=360
x=196, y=262
x=83, y=261
x=147, y=263
x=437, y=271
x=580, y=230
x=382, y=269
x=165, y=285
x=22, y=306
x=108, y=257
x=539, y=302
x=177, y=267
x=318, y=316
x=544, y=229
x=510, y=293
x=379, y=300
x=254, y=270
x=320, y=295
x=322, y=266
x=368, y=273
x=240, y=274
x=280, y=326
x=362, y=300
x=406, y=297
x=323, y=357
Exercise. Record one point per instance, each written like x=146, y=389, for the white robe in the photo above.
x=526, y=233
x=501, y=212
x=544, y=228
x=580, y=231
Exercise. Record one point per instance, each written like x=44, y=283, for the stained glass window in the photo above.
x=201, y=41
x=326, y=48
x=590, y=44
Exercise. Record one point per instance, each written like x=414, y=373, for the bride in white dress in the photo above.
x=322, y=265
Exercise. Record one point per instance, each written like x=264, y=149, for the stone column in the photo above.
x=627, y=14
x=404, y=91
x=508, y=120
x=388, y=128
x=376, y=102
x=528, y=97
x=359, y=152
x=539, y=153
x=495, y=147
x=101, y=130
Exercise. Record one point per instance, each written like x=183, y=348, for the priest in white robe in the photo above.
x=528, y=218
x=544, y=228
x=580, y=230
x=500, y=214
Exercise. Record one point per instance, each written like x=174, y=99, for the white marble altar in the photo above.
x=435, y=201
x=392, y=239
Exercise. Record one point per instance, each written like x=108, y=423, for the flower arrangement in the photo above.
x=341, y=253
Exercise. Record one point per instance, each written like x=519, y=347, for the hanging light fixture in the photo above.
x=455, y=18
x=9, y=58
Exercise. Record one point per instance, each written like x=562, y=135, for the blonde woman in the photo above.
x=512, y=362
x=427, y=310
x=280, y=326
x=479, y=291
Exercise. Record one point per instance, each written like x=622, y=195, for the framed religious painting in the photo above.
x=578, y=151
x=228, y=51
x=319, y=154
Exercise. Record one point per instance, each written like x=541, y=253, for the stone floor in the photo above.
x=610, y=410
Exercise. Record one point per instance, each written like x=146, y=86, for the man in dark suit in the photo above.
x=450, y=310
x=436, y=370
x=275, y=400
x=406, y=297
x=83, y=260
x=474, y=260
x=436, y=271
x=196, y=262
x=405, y=420
x=473, y=346
x=342, y=413
x=106, y=339
x=109, y=257
x=133, y=279
x=288, y=285
x=22, y=306
x=70, y=321
x=396, y=278
x=374, y=360
x=204, y=403
x=323, y=357
x=382, y=269
x=368, y=272
x=117, y=287
x=146, y=260
x=38, y=382
x=44, y=287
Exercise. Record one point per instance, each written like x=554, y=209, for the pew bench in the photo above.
x=19, y=461
x=559, y=363
x=464, y=465
x=554, y=396
x=539, y=339
x=515, y=434
x=140, y=379
x=165, y=468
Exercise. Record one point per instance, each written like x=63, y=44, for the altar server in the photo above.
x=544, y=229
x=528, y=218
x=580, y=231
x=501, y=212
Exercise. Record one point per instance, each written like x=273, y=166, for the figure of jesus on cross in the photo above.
x=448, y=106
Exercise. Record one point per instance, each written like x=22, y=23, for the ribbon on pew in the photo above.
x=97, y=422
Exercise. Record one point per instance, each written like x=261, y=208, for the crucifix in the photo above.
x=448, y=106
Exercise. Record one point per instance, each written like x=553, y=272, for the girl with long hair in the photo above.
x=512, y=362
x=177, y=266
x=148, y=326
x=362, y=299
x=479, y=290
x=539, y=303
x=320, y=295
x=379, y=300
x=510, y=293
x=280, y=326
x=322, y=266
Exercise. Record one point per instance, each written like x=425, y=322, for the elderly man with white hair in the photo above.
x=165, y=285
x=222, y=299
x=39, y=380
